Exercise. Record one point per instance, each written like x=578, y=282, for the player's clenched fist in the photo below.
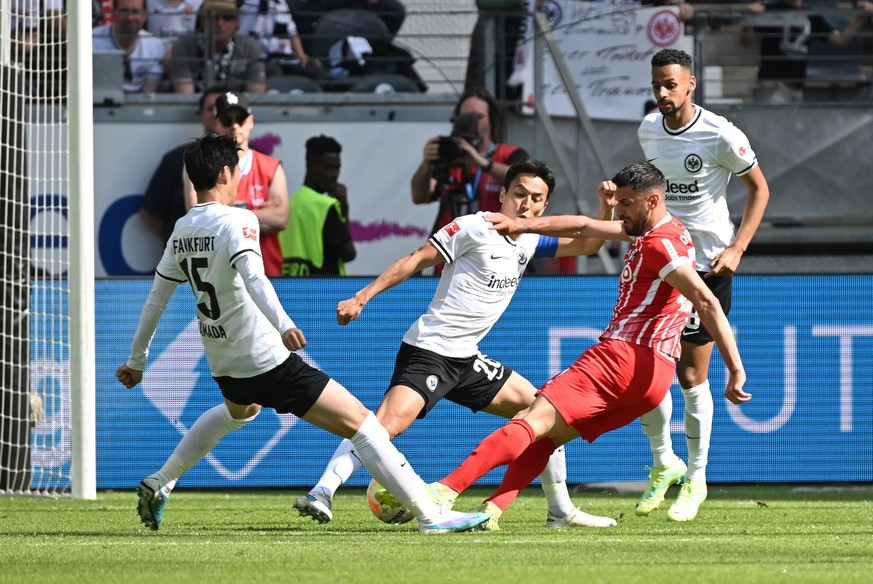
x=606, y=191
x=348, y=310
x=128, y=377
x=293, y=339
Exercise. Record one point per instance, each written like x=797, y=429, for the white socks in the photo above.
x=342, y=465
x=656, y=425
x=698, y=428
x=391, y=470
x=204, y=435
x=554, y=483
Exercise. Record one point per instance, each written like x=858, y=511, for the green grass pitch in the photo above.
x=769, y=533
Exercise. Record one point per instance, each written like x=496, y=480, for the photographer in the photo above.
x=465, y=178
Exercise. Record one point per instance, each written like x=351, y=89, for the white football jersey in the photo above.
x=483, y=270
x=215, y=249
x=698, y=160
x=143, y=62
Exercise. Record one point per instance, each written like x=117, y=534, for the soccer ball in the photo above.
x=385, y=506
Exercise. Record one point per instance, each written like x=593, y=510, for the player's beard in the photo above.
x=670, y=111
x=673, y=110
x=633, y=227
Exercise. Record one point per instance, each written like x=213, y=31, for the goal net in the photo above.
x=46, y=408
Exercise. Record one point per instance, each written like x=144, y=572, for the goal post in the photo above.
x=47, y=352
x=80, y=116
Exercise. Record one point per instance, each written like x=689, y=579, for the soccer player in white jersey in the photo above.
x=698, y=152
x=248, y=339
x=630, y=370
x=439, y=357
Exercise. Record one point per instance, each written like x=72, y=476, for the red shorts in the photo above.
x=609, y=386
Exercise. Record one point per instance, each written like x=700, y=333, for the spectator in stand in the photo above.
x=170, y=19
x=470, y=182
x=784, y=49
x=263, y=187
x=270, y=22
x=307, y=12
x=236, y=58
x=317, y=239
x=143, y=52
x=164, y=200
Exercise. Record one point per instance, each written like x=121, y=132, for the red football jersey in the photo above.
x=649, y=311
x=253, y=192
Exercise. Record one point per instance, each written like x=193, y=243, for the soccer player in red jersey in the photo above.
x=630, y=370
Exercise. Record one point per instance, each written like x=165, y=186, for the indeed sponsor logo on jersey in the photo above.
x=680, y=191
x=496, y=282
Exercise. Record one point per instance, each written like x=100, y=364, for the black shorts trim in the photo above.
x=722, y=288
x=472, y=382
x=292, y=387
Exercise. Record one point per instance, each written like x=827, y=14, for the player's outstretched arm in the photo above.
x=162, y=290
x=574, y=226
x=691, y=286
x=422, y=258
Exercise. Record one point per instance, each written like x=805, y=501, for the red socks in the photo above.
x=521, y=471
x=500, y=447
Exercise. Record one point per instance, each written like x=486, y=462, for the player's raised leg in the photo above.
x=337, y=411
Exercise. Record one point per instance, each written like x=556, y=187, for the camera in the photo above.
x=464, y=126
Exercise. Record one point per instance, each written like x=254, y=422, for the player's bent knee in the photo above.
x=395, y=424
x=242, y=412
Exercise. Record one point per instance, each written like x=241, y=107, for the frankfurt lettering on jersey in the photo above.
x=193, y=244
x=214, y=248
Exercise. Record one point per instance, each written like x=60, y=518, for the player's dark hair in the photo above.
x=666, y=57
x=493, y=109
x=642, y=177
x=532, y=166
x=318, y=146
x=207, y=156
